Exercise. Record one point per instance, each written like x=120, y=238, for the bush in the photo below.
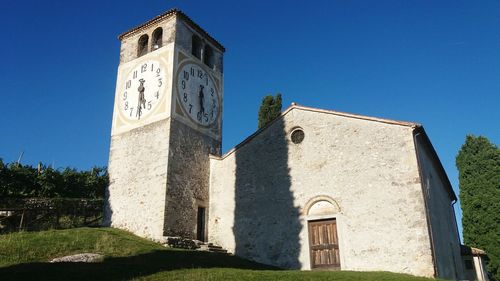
x=25, y=181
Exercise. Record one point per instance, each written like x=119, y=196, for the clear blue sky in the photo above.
x=432, y=62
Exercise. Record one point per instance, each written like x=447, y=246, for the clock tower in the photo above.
x=167, y=120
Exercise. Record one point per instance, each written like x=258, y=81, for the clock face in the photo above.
x=197, y=94
x=142, y=90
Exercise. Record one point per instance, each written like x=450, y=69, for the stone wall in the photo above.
x=259, y=193
x=138, y=180
x=188, y=178
x=159, y=171
x=129, y=45
x=189, y=149
x=183, y=41
x=442, y=217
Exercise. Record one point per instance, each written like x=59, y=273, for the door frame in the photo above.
x=338, y=220
x=201, y=221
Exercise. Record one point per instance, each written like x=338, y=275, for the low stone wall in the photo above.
x=47, y=213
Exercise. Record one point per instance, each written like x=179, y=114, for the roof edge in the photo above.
x=300, y=107
x=167, y=14
x=437, y=162
x=357, y=116
x=471, y=251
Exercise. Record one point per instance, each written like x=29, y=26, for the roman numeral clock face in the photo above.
x=197, y=94
x=142, y=90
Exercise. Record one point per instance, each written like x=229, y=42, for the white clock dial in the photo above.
x=142, y=90
x=197, y=94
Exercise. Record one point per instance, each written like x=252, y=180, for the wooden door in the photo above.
x=324, y=244
x=200, y=227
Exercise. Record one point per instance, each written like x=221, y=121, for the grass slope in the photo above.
x=25, y=256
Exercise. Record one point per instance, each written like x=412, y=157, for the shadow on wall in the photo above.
x=266, y=222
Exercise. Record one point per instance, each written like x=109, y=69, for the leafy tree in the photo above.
x=22, y=181
x=4, y=175
x=478, y=163
x=49, y=183
x=269, y=109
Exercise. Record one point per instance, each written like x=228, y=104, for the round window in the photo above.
x=297, y=136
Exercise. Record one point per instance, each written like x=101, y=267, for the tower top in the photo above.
x=168, y=14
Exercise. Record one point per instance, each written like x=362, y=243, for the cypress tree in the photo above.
x=269, y=109
x=478, y=163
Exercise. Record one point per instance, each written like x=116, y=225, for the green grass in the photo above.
x=26, y=247
x=25, y=256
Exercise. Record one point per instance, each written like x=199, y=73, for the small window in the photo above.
x=157, y=39
x=297, y=136
x=208, y=56
x=142, y=48
x=196, y=46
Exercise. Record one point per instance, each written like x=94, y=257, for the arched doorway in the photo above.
x=323, y=238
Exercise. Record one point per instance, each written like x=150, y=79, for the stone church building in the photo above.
x=315, y=189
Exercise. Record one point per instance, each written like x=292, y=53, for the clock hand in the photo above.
x=142, y=99
x=201, y=96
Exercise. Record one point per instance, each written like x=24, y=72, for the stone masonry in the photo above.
x=367, y=166
x=379, y=180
